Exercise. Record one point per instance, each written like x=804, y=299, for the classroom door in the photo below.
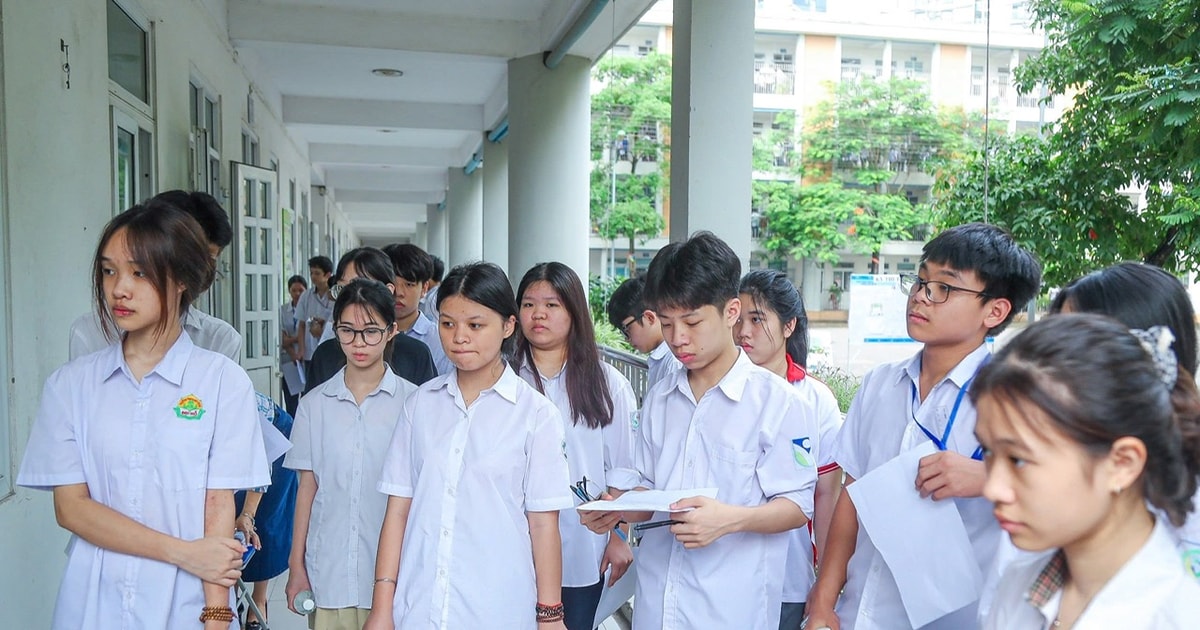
x=257, y=263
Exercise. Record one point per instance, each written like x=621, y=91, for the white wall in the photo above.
x=57, y=197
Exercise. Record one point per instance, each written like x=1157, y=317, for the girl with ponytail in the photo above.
x=1091, y=434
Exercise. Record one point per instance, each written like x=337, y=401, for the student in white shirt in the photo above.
x=414, y=270
x=476, y=474
x=429, y=301
x=88, y=332
x=1072, y=464
x=773, y=331
x=144, y=443
x=339, y=440
x=316, y=305
x=722, y=422
x=973, y=278
x=1143, y=296
x=627, y=313
x=557, y=354
x=290, y=355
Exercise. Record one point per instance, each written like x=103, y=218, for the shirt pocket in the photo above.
x=732, y=471
x=183, y=448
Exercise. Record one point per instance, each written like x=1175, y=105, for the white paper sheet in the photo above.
x=923, y=542
x=293, y=377
x=648, y=500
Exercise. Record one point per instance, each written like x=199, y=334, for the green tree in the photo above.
x=860, y=149
x=1131, y=66
x=630, y=115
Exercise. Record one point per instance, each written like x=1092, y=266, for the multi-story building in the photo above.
x=802, y=47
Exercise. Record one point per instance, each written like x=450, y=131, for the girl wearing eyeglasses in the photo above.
x=339, y=439
x=477, y=475
x=557, y=352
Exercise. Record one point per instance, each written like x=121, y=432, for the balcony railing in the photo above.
x=629, y=365
x=774, y=77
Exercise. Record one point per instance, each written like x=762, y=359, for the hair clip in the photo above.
x=1157, y=342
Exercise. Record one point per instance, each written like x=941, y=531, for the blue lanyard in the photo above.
x=941, y=444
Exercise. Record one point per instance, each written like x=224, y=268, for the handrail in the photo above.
x=631, y=366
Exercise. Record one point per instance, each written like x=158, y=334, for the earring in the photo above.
x=1116, y=491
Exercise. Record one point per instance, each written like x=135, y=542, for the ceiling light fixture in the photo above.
x=387, y=72
x=387, y=131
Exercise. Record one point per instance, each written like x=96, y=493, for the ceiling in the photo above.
x=382, y=145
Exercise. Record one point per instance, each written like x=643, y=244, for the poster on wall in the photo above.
x=877, y=309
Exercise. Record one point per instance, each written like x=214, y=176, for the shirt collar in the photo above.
x=422, y=326
x=959, y=375
x=339, y=390
x=170, y=368
x=1049, y=581
x=734, y=381
x=507, y=386
x=661, y=351
x=795, y=372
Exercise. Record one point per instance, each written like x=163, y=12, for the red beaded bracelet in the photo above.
x=549, y=613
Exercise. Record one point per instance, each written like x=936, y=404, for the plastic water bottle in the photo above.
x=304, y=603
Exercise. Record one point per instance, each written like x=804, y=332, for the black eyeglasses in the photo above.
x=625, y=326
x=370, y=336
x=936, y=292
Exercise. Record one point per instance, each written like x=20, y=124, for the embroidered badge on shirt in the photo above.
x=189, y=408
x=1191, y=559
x=802, y=452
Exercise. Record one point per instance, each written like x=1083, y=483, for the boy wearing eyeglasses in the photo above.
x=972, y=280
x=627, y=313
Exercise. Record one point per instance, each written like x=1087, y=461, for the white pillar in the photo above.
x=712, y=116
x=421, y=238
x=549, y=122
x=495, y=203
x=436, y=230
x=464, y=214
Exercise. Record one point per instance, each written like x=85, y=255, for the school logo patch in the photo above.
x=802, y=452
x=564, y=448
x=189, y=408
x=635, y=419
x=1191, y=561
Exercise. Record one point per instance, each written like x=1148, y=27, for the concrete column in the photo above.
x=549, y=122
x=421, y=238
x=712, y=117
x=464, y=211
x=887, y=59
x=436, y=231
x=495, y=203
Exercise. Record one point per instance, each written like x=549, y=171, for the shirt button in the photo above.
x=458, y=451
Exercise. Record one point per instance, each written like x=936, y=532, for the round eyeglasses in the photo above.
x=370, y=336
x=936, y=292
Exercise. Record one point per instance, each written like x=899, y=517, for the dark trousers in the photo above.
x=579, y=605
x=290, y=401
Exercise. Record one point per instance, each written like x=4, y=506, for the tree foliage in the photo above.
x=859, y=151
x=630, y=115
x=1132, y=68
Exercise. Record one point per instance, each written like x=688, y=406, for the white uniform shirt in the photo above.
x=428, y=304
x=344, y=444
x=311, y=305
x=150, y=451
x=752, y=437
x=426, y=332
x=1151, y=592
x=799, y=575
x=473, y=473
x=660, y=363
x=206, y=332
x=604, y=456
x=288, y=324
x=882, y=424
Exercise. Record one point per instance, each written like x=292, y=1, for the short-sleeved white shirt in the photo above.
x=343, y=444
x=206, y=331
x=473, y=473
x=880, y=425
x=426, y=332
x=1152, y=591
x=604, y=456
x=288, y=324
x=149, y=450
x=752, y=437
x=660, y=363
x=311, y=305
x=800, y=575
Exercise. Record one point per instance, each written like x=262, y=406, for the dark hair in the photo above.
x=1006, y=269
x=1061, y=364
x=369, y=262
x=410, y=262
x=321, y=262
x=1139, y=296
x=205, y=210
x=168, y=245
x=439, y=268
x=372, y=295
x=779, y=294
x=700, y=271
x=587, y=387
x=295, y=279
x=626, y=301
x=485, y=284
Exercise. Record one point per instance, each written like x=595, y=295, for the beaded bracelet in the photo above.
x=216, y=613
x=549, y=613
